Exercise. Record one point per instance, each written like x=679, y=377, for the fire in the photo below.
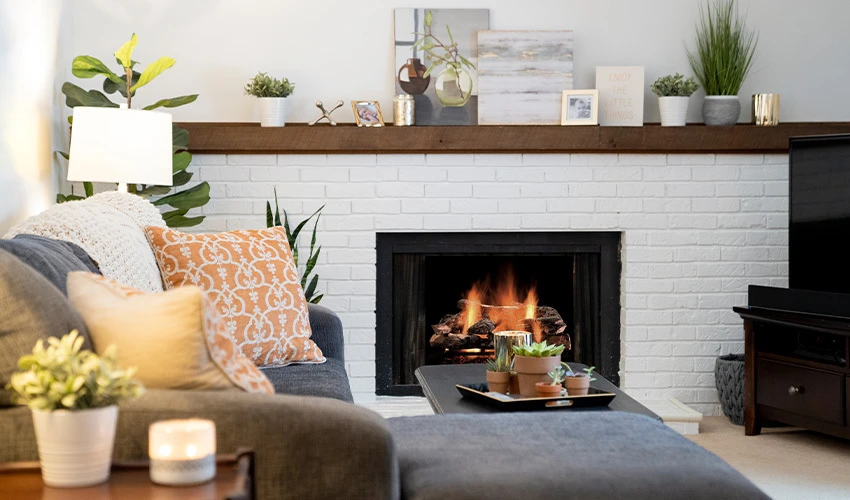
x=508, y=307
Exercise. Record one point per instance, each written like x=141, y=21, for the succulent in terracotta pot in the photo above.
x=533, y=362
x=552, y=387
x=578, y=383
x=498, y=375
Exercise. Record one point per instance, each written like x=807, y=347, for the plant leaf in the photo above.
x=77, y=96
x=172, y=102
x=311, y=262
x=180, y=161
x=88, y=187
x=430, y=69
x=154, y=191
x=277, y=210
x=429, y=16
x=90, y=67
x=181, y=221
x=193, y=197
x=311, y=288
x=181, y=178
x=451, y=38
x=64, y=155
x=269, y=218
x=125, y=53
x=111, y=87
x=179, y=138
x=317, y=298
x=153, y=70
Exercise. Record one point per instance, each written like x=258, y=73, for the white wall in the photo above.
x=342, y=49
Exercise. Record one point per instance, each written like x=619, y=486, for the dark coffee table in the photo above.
x=438, y=384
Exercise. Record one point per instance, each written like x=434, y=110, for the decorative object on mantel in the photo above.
x=127, y=85
x=427, y=40
x=580, y=107
x=620, y=95
x=74, y=396
x=521, y=75
x=182, y=452
x=273, y=219
x=766, y=110
x=326, y=115
x=674, y=93
x=367, y=113
x=404, y=110
x=722, y=59
x=271, y=95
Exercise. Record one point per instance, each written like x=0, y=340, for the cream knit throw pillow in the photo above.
x=109, y=226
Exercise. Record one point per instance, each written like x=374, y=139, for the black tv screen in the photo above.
x=819, y=224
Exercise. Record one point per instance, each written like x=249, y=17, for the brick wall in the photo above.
x=697, y=230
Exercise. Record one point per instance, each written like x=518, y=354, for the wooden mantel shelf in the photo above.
x=250, y=138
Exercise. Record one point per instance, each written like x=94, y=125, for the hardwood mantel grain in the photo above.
x=298, y=138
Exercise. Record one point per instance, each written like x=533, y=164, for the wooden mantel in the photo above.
x=250, y=138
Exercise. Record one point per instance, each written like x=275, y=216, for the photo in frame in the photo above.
x=580, y=107
x=367, y=113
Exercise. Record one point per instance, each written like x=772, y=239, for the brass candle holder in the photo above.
x=766, y=109
x=503, y=343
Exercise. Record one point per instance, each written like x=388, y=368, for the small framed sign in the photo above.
x=621, y=91
x=580, y=107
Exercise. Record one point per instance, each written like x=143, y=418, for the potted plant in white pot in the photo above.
x=271, y=93
x=533, y=362
x=723, y=57
x=673, y=93
x=73, y=396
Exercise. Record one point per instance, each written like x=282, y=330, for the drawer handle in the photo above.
x=793, y=390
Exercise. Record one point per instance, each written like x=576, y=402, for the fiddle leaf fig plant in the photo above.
x=61, y=376
x=126, y=82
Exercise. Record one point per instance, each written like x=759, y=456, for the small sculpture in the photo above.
x=325, y=114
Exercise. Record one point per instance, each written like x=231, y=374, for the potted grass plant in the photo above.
x=533, y=362
x=73, y=395
x=722, y=59
x=578, y=383
x=498, y=375
x=552, y=387
x=271, y=93
x=674, y=92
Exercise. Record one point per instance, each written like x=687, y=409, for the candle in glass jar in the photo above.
x=182, y=451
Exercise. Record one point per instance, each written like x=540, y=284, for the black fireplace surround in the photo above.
x=420, y=276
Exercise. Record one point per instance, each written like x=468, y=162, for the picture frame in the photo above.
x=367, y=113
x=580, y=107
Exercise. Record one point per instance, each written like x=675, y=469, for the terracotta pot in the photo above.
x=498, y=381
x=532, y=370
x=514, y=388
x=547, y=390
x=577, y=386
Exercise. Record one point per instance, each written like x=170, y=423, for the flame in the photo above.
x=502, y=305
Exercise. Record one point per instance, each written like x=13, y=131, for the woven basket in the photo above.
x=729, y=380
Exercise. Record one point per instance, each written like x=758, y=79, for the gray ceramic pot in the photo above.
x=721, y=110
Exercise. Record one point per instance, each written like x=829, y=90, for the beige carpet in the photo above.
x=784, y=463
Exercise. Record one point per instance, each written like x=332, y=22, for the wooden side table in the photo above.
x=234, y=480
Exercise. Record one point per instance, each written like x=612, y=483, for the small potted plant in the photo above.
x=578, y=383
x=498, y=375
x=673, y=93
x=722, y=59
x=533, y=362
x=271, y=93
x=552, y=388
x=73, y=396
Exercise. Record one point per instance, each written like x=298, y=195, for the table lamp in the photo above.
x=127, y=146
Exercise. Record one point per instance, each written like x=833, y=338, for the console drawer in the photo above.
x=800, y=390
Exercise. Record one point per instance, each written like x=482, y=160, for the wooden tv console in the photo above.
x=797, y=370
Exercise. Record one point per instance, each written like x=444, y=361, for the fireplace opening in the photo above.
x=440, y=296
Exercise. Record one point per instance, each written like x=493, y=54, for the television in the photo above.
x=819, y=213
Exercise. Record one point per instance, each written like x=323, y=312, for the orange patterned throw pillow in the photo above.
x=175, y=339
x=252, y=280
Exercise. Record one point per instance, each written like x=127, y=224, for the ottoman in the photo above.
x=557, y=455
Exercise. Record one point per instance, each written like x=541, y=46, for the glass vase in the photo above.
x=454, y=86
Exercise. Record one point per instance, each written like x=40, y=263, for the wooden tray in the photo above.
x=477, y=393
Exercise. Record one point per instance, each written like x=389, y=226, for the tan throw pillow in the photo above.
x=252, y=280
x=174, y=338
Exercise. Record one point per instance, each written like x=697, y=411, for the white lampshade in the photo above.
x=120, y=145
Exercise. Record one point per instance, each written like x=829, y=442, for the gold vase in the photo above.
x=766, y=109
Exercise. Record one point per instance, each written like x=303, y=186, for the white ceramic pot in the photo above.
x=272, y=111
x=75, y=447
x=674, y=110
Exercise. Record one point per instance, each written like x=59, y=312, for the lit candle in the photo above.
x=182, y=451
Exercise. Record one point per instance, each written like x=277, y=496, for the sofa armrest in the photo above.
x=306, y=448
x=327, y=331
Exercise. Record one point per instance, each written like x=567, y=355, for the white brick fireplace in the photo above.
x=697, y=229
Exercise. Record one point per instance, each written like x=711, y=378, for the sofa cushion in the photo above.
x=327, y=380
x=252, y=279
x=557, y=455
x=53, y=259
x=108, y=226
x=175, y=339
x=31, y=308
